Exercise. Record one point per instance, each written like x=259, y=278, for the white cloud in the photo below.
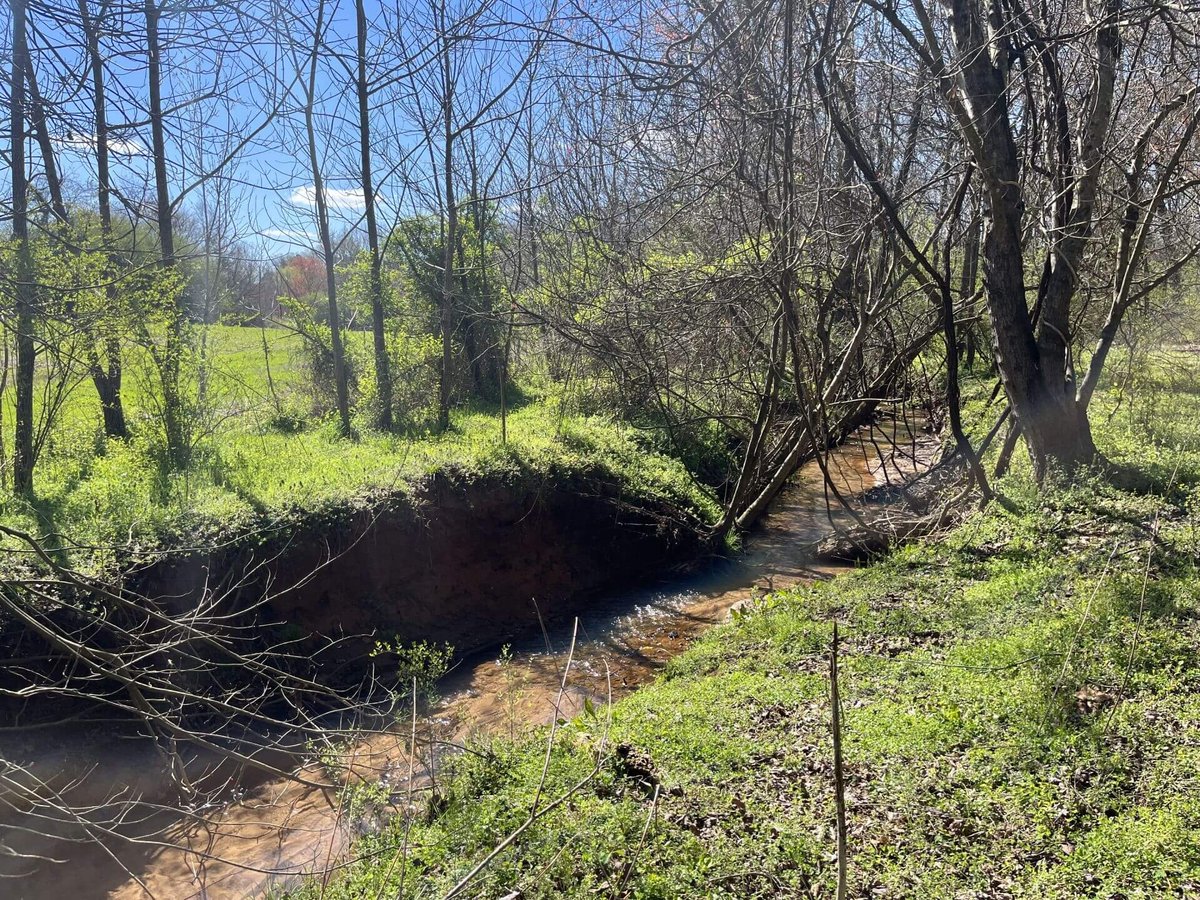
x=290, y=236
x=116, y=146
x=335, y=198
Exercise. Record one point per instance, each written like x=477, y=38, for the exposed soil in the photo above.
x=468, y=562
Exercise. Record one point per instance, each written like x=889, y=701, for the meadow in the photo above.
x=263, y=452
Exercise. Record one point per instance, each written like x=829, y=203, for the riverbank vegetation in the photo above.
x=262, y=461
x=466, y=218
x=265, y=261
x=1021, y=713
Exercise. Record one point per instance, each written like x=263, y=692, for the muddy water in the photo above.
x=270, y=833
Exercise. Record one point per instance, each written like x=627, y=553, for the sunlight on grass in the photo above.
x=247, y=471
x=1021, y=710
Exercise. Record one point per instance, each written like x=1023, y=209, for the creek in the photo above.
x=133, y=837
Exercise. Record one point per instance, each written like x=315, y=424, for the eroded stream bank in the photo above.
x=270, y=833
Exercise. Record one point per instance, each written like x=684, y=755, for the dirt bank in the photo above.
x=470, y=561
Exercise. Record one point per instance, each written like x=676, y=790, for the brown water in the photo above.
x=130, y=838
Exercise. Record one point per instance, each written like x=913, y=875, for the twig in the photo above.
x=562, y=686
x=1079, y=632
x=337, y=821
x=839, y=781
x=1137, y=634
x=403, y=854
x=536, y=814
x=641, y=841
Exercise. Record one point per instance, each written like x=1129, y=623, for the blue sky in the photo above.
x=267, y=193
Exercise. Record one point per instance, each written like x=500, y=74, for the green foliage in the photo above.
x=317, y=355
x=419, y=666
x=478, y=296
x=414, y=350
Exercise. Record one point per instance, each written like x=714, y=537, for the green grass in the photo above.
x=247, y=469
x=1022, y=720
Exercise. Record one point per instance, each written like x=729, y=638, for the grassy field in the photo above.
x=1021, y=716
x=93, y=492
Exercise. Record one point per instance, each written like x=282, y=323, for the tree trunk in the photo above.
x=970, y=276
x=335, y=326
x=108, y=387
x=1056, y=432
x=383, y=377
x=1034, y=376
x=170, y=362
x=23, y=455
x=953, y=397
x=104, y=365
x=470, y=320
x=449, y=239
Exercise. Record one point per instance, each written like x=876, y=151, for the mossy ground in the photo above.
x=1021, y=707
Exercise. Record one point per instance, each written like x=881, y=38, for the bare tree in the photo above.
x=169, y=358
x=23, y=279
x=383, y=377
x=467, y=63
x=309, y=88
x=719, y=290
x=1044, y=104
x=106, y=365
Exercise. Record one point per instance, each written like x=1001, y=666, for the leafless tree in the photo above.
x=362, y=86
x=307, y=60
x=1059, y=110
x=22, y=277
x=105, y=363
x=467, y=63
x=712, y=253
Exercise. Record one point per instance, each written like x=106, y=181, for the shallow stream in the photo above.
x=271, y=833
